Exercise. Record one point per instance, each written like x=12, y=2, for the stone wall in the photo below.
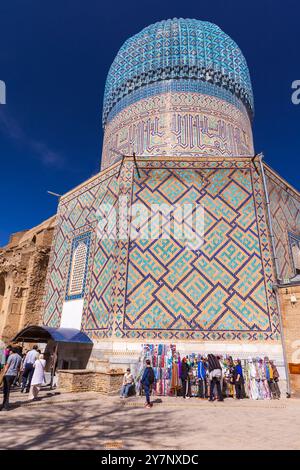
x=107, y=383
x=23, y=267
x=291, y=329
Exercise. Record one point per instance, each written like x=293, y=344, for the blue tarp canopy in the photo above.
x=42, y=334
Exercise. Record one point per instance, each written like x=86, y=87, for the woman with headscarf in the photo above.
x=38, y=377
x=215, y=376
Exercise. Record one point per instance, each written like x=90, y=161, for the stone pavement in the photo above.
x=92, y=421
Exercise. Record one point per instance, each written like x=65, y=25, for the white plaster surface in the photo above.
x=72, y=314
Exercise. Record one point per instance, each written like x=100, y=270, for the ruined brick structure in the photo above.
x=23, y=267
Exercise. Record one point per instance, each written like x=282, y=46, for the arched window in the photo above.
x=296, y=256
x=78, y=267
x=295, y=251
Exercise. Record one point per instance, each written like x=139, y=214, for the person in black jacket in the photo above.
x=147, y=382
x=215, y=376
x=186, y=385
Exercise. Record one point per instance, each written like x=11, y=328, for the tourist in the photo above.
x=238, y=380
x=7, y=352
x=215, y=377
x=11, y=370
x=147, y=382
x=17, y=381
x=202, y=384
x=185, y=379
x=128, y=382
x=272, y=376
x=28, y=369
x=276, y=390
x=38, y=377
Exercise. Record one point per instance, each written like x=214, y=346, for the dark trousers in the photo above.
x=239, y=390
x=202, y=388
x=186, y=387
x=215, y=382
x=27, y=376
x=147, y=393
x=7, y=383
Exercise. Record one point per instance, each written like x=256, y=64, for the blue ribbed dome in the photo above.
x=185, y=49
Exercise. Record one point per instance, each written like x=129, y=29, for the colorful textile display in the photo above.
x=163, y=360
x=260, y=376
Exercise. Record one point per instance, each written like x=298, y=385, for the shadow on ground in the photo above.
x=80, y=425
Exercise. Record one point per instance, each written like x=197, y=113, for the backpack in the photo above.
x=151, y=377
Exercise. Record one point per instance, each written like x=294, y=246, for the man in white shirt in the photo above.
x=128, y=381
x=28, y=369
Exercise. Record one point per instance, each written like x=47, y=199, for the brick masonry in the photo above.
x=291, y=328
x=107, y=383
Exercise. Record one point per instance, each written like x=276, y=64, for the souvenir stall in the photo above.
x=260, y=375
x=164, y=361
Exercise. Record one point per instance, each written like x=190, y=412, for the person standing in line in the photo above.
x=17, y=381
x=38, y=377
x=238, y=380
x=276, y=389
x=202, y=384
x=28, y=369
x=185, y=378
x=215, y=376
x=128, y=381
x=11, y=370
x=147, y=382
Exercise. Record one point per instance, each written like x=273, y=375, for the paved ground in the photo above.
x=91, y=421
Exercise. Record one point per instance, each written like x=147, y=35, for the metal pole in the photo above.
x=136, y=165
x=121, y=165
x=275, y=288
x=55, y=357
x=288, y=383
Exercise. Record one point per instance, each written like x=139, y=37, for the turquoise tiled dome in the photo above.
x=186, y=50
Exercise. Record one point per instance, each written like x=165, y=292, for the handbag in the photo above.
x=1, y=376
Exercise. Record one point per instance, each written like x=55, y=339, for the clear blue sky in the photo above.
x=54, y=57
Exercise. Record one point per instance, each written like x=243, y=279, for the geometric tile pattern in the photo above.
x=178, y=49
x=221, y=291
x=77, y=214
x=156, y=289
x=285, y=213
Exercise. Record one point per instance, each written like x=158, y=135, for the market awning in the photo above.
x=42, y=334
